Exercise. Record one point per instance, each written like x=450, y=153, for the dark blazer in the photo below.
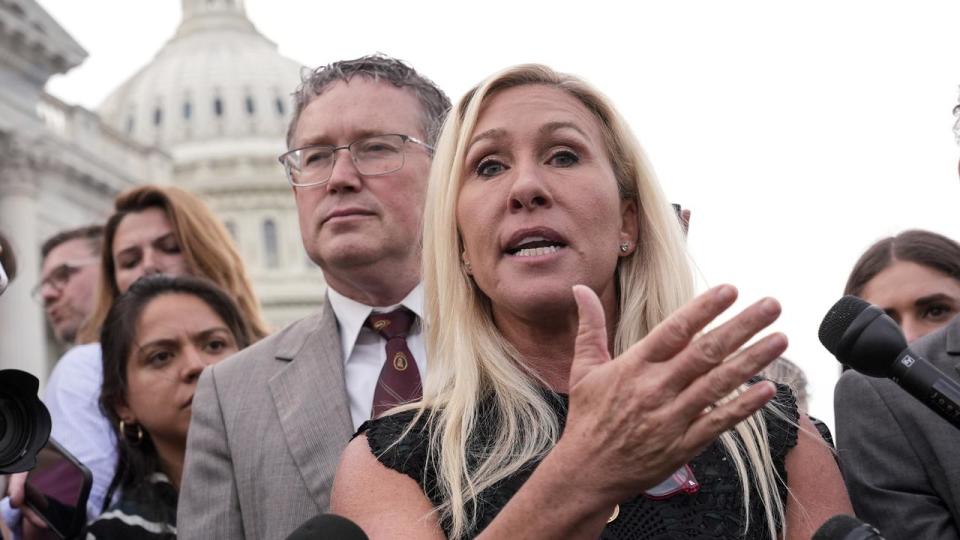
x=268, y=427
x=900, y=460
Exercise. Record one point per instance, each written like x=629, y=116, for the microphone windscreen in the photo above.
x=328, y=527
x=838, y=319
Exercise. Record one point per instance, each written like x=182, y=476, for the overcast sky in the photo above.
x=798, y=133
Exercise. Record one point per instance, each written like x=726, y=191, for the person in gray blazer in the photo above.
x=270, y=423
x=900, y=459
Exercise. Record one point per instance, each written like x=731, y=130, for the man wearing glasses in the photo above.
x=70, y=272
x=270, y=423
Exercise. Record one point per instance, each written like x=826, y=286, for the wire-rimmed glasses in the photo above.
x=375, y=155
x=60, y=276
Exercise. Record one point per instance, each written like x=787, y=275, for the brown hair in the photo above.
x=925, y=248
x=206, y=245
x=93, y=234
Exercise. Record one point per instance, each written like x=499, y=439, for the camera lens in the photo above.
x=14, y=431
x=24, y=421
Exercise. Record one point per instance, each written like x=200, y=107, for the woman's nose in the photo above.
x=193, y=364
x=529, y=189
x=155, y=262
x=912, y=330
x=150, y=262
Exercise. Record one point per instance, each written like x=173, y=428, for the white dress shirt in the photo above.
x=364, y=351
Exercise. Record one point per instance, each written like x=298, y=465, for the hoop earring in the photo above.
x=624, y=247
x=126, y=436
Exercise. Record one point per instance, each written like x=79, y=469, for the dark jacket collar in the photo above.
x=953, y=337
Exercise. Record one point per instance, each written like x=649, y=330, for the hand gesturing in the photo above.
x=635, y=419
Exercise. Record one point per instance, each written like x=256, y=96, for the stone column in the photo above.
x=22, y=341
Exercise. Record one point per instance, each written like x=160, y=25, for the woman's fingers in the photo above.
x=34, y=520
x=591, y=346
x=673, y=335
x=15, y=489
x=711, y=349
x=708, y=426
x=718, y=383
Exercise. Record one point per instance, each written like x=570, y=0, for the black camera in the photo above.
x=24, y=421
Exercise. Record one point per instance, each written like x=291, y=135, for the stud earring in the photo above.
x=624, y=247
x=467, y=267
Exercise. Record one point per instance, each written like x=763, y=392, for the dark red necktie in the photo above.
x=399, y=380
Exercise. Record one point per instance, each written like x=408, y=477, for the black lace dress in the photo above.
x=715, y=511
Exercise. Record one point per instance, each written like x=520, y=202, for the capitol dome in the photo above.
x=217, y=79
x=216, y=98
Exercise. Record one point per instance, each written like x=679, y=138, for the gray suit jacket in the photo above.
x=268, y=427
x=900, y=460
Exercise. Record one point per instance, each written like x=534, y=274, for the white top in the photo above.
x=73, y=398
x=364, y=351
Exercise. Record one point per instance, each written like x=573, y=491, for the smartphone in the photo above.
x=57, y=489
x=3, y=278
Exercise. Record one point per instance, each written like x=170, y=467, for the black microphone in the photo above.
x=866, y=339
x=844, y=527
x=328, y=527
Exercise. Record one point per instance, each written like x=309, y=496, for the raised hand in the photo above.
x=635, y=419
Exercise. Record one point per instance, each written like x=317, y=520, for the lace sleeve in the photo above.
x=782, y=419
x=406, y=454
x=782, y=422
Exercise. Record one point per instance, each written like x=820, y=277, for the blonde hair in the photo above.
x=205, y=243
x=470, y=361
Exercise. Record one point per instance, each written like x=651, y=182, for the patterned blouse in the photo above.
x=149, y=513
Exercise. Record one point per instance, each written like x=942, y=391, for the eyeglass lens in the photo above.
x=57, y=279
x=372, y=156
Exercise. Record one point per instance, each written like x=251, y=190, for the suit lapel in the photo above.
x=310, y=396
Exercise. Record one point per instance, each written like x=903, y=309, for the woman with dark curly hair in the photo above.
x=156, y=339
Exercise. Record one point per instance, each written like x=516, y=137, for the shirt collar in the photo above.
x=352, y=314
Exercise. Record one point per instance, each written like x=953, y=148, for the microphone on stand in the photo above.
x=868, y=340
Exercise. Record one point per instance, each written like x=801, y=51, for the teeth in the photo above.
x=536, y=251
x=529, y=239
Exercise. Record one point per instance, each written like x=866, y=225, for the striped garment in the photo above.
x=145, y=514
